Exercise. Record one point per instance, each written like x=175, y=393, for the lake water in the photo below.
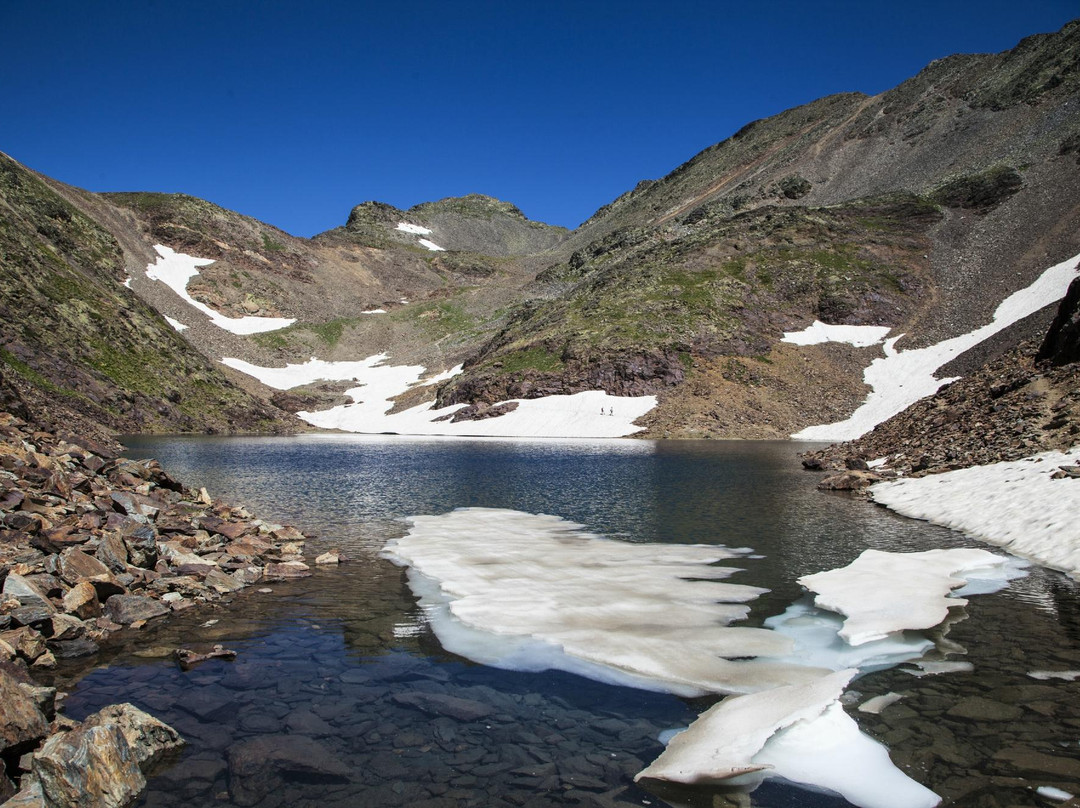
x=336, y=674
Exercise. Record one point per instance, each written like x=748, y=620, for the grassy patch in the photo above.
x=535, y=358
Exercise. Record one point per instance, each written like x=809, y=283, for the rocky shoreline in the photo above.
x=92, y=544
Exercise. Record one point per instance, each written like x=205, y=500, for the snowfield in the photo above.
x=590, y=414
x=175, y=270
x=901, y=378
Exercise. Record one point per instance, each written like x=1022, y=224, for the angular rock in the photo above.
x=977, y=708
x=25, y=592
x=43, y=697
x=113, y=552
x=134, y=504
x=148, y=738
x=441, y=704
x=127, y=609
x=329, y=557
x=220, y=582
x=186, y=658
x=21, y=720
x=88, y=767
x=77, y=566
x=82, y=601
x=256, y=766
x=287, y=569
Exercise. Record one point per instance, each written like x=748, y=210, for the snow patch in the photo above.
x=861, y=336
x=175, y=270
x=374, y=311
x=532, y=592
x=1015, y=505
x=882, y=593
x=901, y=378
x=179, y=326
x=590, y=414
x=415, y=229
x=431, y=245
x=1045, y=676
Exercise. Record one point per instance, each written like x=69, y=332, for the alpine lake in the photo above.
x=327, y=667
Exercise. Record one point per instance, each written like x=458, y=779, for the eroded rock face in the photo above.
x=1062, y=343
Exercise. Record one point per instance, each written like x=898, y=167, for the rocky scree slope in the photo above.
x=79, y=349
x=1022, y=403
x=967, y=176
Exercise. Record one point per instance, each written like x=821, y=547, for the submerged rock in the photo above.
x=258, y=766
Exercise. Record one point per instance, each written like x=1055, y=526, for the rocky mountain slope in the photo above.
x=919, y=209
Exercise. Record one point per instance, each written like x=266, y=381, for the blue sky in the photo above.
x=293, y=112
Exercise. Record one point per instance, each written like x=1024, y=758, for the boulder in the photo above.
x=1062, y=343
x=113, y=552
x=148, y=738
x=88, y=767
x=258, y=766
x=287, y=569
x=82, y=601
x=21, y=720
x=24, y=591
x=220, y=582
x=76, y=566
x=128, y=609
x=443, y=705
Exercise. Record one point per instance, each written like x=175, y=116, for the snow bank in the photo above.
x=179, y=326
x=1015, y=505
x=176, y=269
x=901, y=378
x=431, y=245
x=882, y=593
x=415, y=229
x=798, y=732
x=590, y=414
x=861, y=336
x=533, y=592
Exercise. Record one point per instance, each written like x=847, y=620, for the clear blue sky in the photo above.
x=293, y=112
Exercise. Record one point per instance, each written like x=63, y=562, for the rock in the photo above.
x=1061, y=345
x=851, y=480
x=28, y=643
x=1032, y=763
x=284, y=570
x=76, y=566
x=113, y=552
x=7, y=788
x=127, y=609
x=329, y=557
x=25, y=592
x=855, y=464
x=142, y=546
x=82, y=601
x=441, y=704
x=29, y=795
x=177, y=555
x=230, y=530
x=134, y=504
x=257, y=766
x=148, y=738
x=88, y=767
x=74, y=648
x=977, y=708
x=220, y=582
x=21, y=720
x=43, y=697
x=188, y=658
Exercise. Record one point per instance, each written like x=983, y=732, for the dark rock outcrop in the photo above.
x=1062, y=343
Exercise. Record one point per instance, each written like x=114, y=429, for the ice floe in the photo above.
x=883, y=593
x=861, y=336
x=528, y=591
x=1016, y=505
x=878, y=704
x=175, y=270
x=901, y=378
x=798, y=732
x=589, y=414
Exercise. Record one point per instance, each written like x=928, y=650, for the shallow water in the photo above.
x=338, y=673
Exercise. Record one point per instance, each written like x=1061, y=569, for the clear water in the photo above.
x=321, y=660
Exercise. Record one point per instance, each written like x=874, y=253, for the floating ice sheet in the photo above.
x=1015, y=505
x=800, y=733
x=176, y=269
x=901, y=378
x=881, y=593
x=528, y=591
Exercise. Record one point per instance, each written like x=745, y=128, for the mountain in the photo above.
x=919, y=209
